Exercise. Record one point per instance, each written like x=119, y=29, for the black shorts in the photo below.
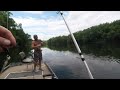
x=37, y=55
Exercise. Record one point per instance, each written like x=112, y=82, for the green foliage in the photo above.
x=58, y=41
x=107, y=32
x=23, y=40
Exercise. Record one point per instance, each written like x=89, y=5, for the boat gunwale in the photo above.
x=54, y=76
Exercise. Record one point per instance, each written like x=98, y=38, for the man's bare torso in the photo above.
x=35, y=43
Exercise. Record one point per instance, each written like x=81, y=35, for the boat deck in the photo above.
x=25, y=71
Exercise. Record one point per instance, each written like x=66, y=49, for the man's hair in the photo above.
x=35, y=35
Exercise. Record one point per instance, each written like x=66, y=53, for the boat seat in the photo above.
x=26, y=60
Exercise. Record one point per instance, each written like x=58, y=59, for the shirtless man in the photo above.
x=36, y=45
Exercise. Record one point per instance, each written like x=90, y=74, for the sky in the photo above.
x=48, y=24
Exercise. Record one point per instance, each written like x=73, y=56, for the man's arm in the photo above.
x=34, y=47
x=41, y=42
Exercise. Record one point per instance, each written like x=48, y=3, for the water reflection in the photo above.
x=106, y=51
x=67, y=65
x=111, y=50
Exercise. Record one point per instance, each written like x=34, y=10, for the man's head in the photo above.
x=35, y=37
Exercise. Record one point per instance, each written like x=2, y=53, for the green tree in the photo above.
x=23, y=40
x=106, y=32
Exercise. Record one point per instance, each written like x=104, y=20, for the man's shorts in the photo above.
x=37, y=55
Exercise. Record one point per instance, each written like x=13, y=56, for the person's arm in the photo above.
x=41, y=42
x=34, y=47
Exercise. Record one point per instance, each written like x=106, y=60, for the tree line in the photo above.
x=102, y=33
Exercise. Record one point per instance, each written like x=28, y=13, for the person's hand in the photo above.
x=39, y=45
x=7, y=40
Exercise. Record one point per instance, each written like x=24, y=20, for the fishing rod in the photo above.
x=7, y=19
x=77, y=47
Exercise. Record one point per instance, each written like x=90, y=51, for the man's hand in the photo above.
x=39, y=45
x=7, y=40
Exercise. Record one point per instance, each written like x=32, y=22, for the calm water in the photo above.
x=68, y=65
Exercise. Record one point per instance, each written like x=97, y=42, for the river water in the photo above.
x=68, y=65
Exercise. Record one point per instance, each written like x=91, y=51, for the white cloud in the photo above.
x=30, y=21
x=81, y=20
x=33, y=12
x=77, y=20
x=50, y=27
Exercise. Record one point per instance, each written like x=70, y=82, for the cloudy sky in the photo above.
x=47, y=24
